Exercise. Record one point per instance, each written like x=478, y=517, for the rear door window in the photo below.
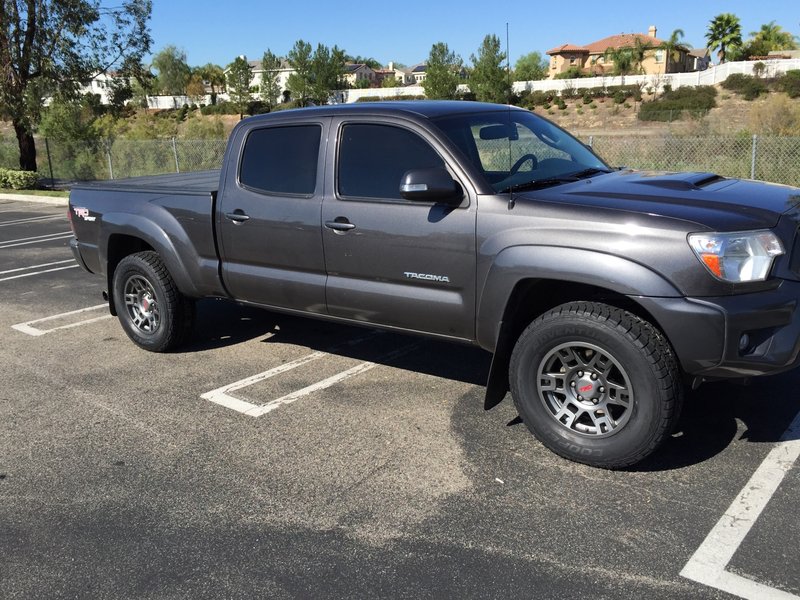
x=281, y=160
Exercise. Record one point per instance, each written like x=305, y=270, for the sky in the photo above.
x=217, y=32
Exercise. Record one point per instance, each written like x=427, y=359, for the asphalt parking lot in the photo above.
x=279, y=457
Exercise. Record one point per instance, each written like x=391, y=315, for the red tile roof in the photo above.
x=613, y=41
x=569, y=48
x=622, y=40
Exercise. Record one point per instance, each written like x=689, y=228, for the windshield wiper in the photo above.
x=550, y=181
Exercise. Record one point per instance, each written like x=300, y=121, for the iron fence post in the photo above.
x=753, y=157
x=591, y=141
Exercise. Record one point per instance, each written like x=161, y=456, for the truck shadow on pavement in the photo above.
x=716, y=414
x=709, y=423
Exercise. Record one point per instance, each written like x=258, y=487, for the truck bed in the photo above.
x=200, y=182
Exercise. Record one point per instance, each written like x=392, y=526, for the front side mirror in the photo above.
x=430, y=185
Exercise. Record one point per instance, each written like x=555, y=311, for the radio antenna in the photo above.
x=510, y=124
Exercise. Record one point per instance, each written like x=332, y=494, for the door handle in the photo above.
x=237, y=216
x=340, y=224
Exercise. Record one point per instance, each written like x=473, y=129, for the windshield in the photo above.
x=518, y=150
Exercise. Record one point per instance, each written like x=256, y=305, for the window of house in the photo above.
x=572, y=60
x=659, y=56
x=374, y=158
x=281, y=160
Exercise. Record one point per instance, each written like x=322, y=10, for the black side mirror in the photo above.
x=430, y=185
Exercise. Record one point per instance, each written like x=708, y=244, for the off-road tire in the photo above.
x=153, y=313
x=552, y=362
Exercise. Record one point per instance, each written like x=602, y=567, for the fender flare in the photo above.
x=173, y=246
x=571, y=265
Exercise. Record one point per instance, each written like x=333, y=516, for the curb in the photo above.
x=35, y=199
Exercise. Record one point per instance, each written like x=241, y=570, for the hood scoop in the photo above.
x=693, y=181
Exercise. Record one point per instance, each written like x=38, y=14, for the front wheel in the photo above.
x=154, y=314
x=596, y=384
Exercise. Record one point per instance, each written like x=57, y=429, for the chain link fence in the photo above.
x=767, y=158
x=775, y=159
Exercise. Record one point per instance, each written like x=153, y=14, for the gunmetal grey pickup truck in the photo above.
x=601, y=292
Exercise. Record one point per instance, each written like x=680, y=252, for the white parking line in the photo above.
x=223, y=397
x=708, y=563
x=28, y=327
x=31, y=220
x=73, y=266
x=58, y=262
x=50, y=237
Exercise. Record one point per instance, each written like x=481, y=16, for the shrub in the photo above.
x=675, y=104
x=18, y=180
x=746, y=85
x=619, y=97
x=789, y=82
x=222, y=108
x=388, y=98
x=587, y=98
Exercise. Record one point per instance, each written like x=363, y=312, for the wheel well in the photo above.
x=120, y=246
x=533, y=297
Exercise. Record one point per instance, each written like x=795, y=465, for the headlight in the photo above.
x=737, y=257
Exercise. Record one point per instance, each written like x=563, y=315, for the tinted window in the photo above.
x=281, y=160
x=374, y=158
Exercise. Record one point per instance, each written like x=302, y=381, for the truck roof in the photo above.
x=426, y=108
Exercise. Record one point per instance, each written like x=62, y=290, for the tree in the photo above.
x=299, y=82
x=238, y=79
x=672, y=48
x=390, y=82
x=531, y=67
x=724, y=34
x=47, y=44
x=622, y=58
x=442, y=73
x=195, y=88
x=270, y=88
x=173, y=71
x=769, y=38
x=327, y=72
x=489, y=78
x=214, y=76
x=638, y=52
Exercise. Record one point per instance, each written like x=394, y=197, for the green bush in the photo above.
x=745, y=85
x=223, y=108
x=587, y=98
x=619, y=97
x=388, y=98
x=789, y=82
x=18, y=180
x=675, y=104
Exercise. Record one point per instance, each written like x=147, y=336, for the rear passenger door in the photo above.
x=268, y=219
x=392, y=261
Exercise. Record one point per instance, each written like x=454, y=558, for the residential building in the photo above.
x=257, y=76
x=356, y=73
x=592, y=59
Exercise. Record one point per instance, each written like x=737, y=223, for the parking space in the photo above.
x=370, y=469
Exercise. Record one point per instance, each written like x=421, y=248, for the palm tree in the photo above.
x=622, y=59
x=772, y=37
x=724, y=32
x=672, y=48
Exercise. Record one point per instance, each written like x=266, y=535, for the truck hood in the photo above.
x=709, y=200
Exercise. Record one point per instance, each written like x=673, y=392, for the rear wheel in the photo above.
x=596, y=384
x=154, y=314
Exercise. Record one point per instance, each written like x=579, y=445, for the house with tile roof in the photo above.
x=591, y=59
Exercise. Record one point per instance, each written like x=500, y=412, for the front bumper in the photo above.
x=706, y=333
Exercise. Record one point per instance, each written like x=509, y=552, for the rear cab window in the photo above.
x=281, y=160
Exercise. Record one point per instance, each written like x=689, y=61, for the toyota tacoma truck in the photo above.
x=601, y=293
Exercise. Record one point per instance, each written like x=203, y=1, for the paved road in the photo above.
x=370, y=470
